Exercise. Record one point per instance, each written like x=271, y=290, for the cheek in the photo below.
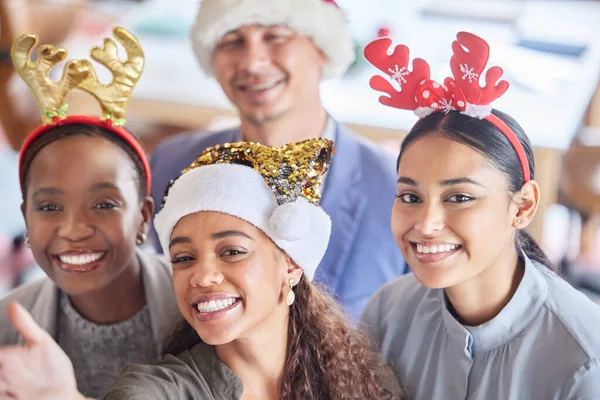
x=259, y=283
x=478, y=227
x=402, y=220
x=181, y=284
x=223, y=68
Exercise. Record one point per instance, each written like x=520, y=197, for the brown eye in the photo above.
x=408, y=198
x=460, y=198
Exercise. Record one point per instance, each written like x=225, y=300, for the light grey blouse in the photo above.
x=544, y=344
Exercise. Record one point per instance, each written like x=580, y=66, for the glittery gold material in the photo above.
x=290, y=171
x=80, y=74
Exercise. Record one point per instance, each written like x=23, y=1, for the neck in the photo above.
x=259, y=358
x=482, y=298
x=120, y=300
x=288, y=128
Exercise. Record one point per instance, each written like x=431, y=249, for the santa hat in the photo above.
x=321, y=20
x=274, y=189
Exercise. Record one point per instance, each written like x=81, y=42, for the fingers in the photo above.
x=25, y=325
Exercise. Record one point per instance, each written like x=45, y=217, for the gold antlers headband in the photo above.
x=80, y=74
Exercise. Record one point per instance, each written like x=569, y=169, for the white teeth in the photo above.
x=215, y=305
x=80, y=259
x=261, y=86
x=441, y=248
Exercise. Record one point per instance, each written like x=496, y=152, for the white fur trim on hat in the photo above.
x=301, y=228
x=320, y=20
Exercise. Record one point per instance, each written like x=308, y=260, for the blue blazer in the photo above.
x=358, y=196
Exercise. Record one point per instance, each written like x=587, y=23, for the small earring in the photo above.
x=289, y=299
x=26, y=242
x=518, y=220
x=141, y=239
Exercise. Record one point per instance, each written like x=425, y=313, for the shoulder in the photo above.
x=182, y=376
x=396, y=303
x=575, y=315
x=585, y=382
x=25, y=295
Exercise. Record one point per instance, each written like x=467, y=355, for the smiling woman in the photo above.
x=85, y=183
x=245, y=234
x=483, y=315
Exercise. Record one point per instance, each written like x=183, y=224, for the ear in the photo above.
x=527, y=202
x=24, y=212
x=147, y=213
x=293, y=270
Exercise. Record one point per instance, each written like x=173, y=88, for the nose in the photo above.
x=206, y=275
x=430, y=219
x=74, y=227
x=255, y=56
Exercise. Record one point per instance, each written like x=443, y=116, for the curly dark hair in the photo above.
x=327, y=359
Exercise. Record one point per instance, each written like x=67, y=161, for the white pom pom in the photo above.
x=290, y=221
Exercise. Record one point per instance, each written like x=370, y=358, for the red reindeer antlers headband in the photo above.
x=419, y=93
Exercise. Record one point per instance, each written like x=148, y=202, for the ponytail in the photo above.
x=524, y=242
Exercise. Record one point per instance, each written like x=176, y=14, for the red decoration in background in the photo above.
x=383, y=32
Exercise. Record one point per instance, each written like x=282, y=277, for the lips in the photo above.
x=431, y=253
x=215, y=306
x=80, y=261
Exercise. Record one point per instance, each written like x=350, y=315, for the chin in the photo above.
x=433, y=279
x=215, y=337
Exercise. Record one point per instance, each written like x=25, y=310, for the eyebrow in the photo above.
x=47, y=190
x=230, y=233
x=214, y=236
x=179, y=239
x=407, y=181
x=103, y=185
x=458, y=181
x=447, y=182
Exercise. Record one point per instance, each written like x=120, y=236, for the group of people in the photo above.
x=284, y=245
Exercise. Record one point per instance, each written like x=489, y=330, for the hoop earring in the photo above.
x=290, y=297
x=141, y=239
x=26, y=242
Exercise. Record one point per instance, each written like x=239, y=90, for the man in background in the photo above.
x=270, y=56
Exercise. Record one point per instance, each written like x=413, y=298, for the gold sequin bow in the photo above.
x=80, y=74
x=290, y=171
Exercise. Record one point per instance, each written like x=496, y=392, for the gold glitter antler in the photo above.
x=50, y=95
x=113, y=98
x=290, y=171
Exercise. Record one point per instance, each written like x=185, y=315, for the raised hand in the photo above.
x=39, y=369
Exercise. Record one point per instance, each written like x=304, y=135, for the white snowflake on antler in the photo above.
x=446, y=106
x=398, y=74
x=469, y=73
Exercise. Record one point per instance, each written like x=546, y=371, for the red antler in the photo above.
x=396, y=66
x=471, y=54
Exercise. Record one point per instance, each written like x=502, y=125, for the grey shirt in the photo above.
x=544, y=344
x=98, y=352
x=197, y=373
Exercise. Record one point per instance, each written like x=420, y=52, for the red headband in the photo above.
x=90, y=120
x=461, y=93
x=80, y=74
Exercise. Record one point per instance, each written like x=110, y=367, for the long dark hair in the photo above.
x=326, y=358
x=483, y=137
